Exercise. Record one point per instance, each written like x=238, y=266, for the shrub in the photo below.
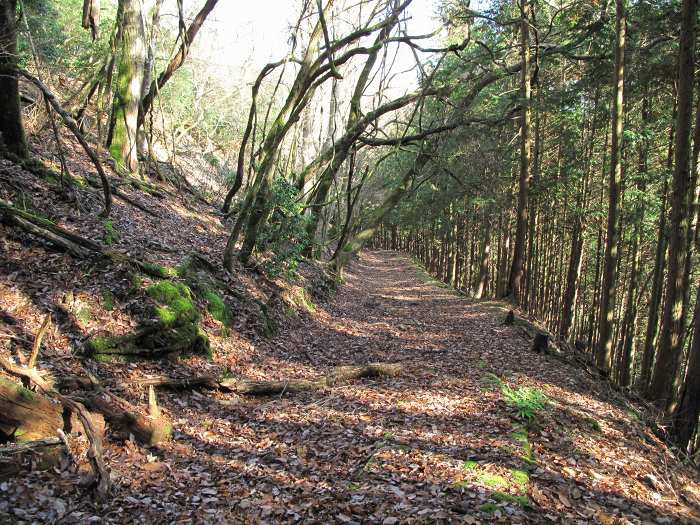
x=285, y=234
x=111, y=236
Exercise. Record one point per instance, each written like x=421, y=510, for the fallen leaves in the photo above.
x=386, y=450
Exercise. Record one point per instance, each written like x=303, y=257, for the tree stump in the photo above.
x=510, y=318
x=541, y=343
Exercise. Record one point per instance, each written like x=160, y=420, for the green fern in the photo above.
x=526, y=401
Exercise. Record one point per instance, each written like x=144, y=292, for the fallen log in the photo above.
x=336, y=376
x=341, y=374
x=184, y=383
x=266, y=388
x=70, y=242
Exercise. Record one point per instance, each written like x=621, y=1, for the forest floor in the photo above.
x=438, y=443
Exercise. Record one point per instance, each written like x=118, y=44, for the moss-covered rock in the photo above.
x=174, y=329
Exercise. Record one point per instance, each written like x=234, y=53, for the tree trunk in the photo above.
x=657, y=286
x=515, y=280
x=11, y=128
x=607, y=295
x=685, y=421
x=127, y=96
x=664, y=383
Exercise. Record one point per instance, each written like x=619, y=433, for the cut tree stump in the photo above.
x=148, y=429
x=540, y=343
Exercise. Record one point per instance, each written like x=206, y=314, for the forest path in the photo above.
x=436, y=444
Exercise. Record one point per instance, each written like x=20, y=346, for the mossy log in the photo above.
x=148, y=429
x=27, y=416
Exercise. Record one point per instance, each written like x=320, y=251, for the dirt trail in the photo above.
x=436, y=445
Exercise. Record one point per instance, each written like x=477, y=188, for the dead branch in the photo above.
x=338, y=375
x=37, y=341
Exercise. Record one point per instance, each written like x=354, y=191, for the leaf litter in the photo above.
x=436, y=444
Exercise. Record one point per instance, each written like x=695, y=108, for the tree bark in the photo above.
x=607, y=295
x=11, y=128
x=127, y=96
x=515, y=279
x=665, y=379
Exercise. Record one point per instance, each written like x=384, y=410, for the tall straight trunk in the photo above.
x=685, y=422
x=572, y=275
x=127, y=96
x=515, y=279
x=627, y=335
x=664, y=382
x=484, y=263
x=607, y=296
x=11, y=128
x=570, y=296
x=658, y=276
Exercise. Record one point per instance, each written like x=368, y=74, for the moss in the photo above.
x=165, y=315
x=111, y=235
x=101, y=344
x=217, y=307
x=521, y=477
x=156, y=270
x=470, y=465
x=520, y=437
x=84, y=315
x=25, y=393
x=167, y=291
x=488, y=507
x=594, y=424
x=523, y=501
x=491, y=480
x=304, y=301
x=108, y=300
x=136, y=281
x=114, y=358
x=176, y=304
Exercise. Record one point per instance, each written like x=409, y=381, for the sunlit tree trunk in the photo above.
x=127, y=96
x=607, y=295
x=664, y=382
x=515, y=279
x=657, y=286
